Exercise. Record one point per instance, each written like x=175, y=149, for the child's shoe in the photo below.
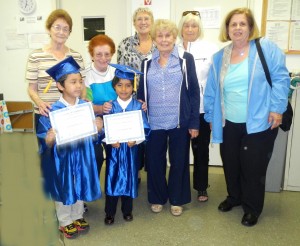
x=69, y=231
x=82, y=225
x=85, y=208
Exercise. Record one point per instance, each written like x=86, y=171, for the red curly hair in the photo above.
x=99, y=40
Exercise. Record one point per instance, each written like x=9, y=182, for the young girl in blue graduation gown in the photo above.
x=121, y=160
x=70, y=173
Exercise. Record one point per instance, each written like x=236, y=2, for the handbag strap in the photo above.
x=263, y=61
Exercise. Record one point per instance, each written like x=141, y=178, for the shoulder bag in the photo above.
x=287, y=116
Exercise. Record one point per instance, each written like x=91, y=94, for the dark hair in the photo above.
x=59, y=14
x=99, y=40
x=116, y=80
x=62, y=80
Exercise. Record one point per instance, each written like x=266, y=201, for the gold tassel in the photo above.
x=134, y=82
x=48, y=86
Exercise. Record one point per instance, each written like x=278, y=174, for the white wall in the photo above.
x=118, y=24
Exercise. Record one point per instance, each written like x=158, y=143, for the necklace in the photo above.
x=241, y=52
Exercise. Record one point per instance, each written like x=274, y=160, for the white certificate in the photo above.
x=73, y=123
x=124, y=127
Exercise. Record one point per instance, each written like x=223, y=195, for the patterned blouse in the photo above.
x=128, y=53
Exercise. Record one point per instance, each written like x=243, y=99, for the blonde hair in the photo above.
x=195, y=19
x=254, y=31
x=164, y=24
x=142, y=10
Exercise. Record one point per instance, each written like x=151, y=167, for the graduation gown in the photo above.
x=69, y=170
x=122, y=163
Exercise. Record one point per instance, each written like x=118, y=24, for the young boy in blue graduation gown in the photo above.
x=121, y=160
x=71, y=172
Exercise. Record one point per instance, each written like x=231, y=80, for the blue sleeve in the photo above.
x=147, y=129
x=275, y=59
x=210, y=94
x=43, y=127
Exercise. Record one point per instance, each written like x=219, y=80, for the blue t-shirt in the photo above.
x=99, y=85
x=236, y=92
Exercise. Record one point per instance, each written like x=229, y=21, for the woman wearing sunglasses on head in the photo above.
x=191, y=40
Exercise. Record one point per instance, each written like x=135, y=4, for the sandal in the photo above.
x=156, y=208
x=176, y=210
x=202, y=196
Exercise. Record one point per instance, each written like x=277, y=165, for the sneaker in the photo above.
x=82, y=225
x=69, y=231
x=85, y=208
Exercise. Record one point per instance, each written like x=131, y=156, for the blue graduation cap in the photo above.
x=126, y=72
x=66, y=66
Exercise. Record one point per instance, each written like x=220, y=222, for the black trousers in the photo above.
x=245, y=161
x=200, y=147
x=99, y=156
x=111, y=203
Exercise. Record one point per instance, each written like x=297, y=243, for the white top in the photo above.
x=202, y=52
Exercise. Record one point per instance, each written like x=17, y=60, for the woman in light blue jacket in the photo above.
x=244, y=111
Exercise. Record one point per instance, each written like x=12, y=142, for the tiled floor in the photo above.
x=27, y=218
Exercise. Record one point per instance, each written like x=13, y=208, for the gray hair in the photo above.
x=187, y=18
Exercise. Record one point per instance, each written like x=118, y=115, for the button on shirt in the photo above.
x=164, y=84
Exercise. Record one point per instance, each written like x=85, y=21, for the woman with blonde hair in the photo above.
x=134, y=49
x=170, y=88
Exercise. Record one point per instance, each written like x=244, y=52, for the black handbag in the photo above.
x=287, y=116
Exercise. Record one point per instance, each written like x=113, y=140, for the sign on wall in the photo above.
x=160, y=9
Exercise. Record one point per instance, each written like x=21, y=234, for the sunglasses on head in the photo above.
x=193, y=12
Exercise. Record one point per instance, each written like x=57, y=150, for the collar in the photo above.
x=64, y=102
x=174, y=53
x=136, y=40
x=124, y=104
x=98, y=72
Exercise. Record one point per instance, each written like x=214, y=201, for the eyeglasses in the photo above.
x=193, y=12
x=58, y=28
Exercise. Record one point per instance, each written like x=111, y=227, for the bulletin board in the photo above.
x=21, y=115
x=281, y=24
